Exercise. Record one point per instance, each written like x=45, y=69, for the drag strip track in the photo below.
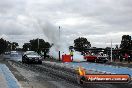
x=64, y=74
x=50, y=71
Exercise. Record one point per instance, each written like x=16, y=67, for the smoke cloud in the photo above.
x=60, y=43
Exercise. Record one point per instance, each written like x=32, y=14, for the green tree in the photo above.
x=37, y=45
x=11, y=46
x=14, y=45
x=26, y=46
x=3, y=45
x=126, y=44
x=8, y=46
x=81, y=43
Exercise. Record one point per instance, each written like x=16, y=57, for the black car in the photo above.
x=31, y=57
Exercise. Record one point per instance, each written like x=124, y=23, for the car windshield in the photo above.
x=32, y=53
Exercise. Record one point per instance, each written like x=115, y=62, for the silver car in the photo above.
x=31, y=57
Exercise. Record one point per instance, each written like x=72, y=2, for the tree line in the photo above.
x=38, y=45
x=7, y=45
x=80, y=44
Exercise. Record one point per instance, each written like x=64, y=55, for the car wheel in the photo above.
x=27, y=61
x=22, y=61
x=39, y=62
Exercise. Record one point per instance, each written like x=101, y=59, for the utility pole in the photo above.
x=38, y=43
x=59, y=45
x=11, y=46
x=111, y=50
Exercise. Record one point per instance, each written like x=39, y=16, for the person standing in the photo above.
x=129, y=57
x=126, y=57
x=45, y=54
x=71, y=53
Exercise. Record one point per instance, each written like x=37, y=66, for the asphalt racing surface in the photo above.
x=61, y=75
x=102, y=68
x=93, y=68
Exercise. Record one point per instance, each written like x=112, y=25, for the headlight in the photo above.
x=40, y=58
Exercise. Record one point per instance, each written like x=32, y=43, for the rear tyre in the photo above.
x=22, y=61
x=28, y=62
x=39, y=62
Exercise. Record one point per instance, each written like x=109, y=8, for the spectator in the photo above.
x=71, y=53
x=126, y=56
x=130, y=56
x=114, y=56
x=45, y=54
x=121, y=57
x=117, y=55
x=129, y=59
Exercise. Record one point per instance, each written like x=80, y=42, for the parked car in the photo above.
x=6, y=55
x=101, y=58
x=15, y=56
x=31, y=57
x=90, y=57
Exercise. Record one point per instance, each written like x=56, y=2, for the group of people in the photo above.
x=116, y=56
x=122, y=57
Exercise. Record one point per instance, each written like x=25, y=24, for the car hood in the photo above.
x=33, y=56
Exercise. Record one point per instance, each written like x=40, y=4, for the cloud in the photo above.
x=94, y=19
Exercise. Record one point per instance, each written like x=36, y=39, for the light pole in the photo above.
x=111, y=50
x=11, y=46
x=38, y=46
x=38, y=43
x=59, y=45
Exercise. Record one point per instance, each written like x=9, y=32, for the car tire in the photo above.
x=28, y=62
x=39, y=62
x=22, y=61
